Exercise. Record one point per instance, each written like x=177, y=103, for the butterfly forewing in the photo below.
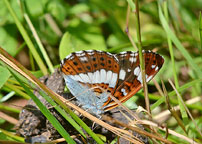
x=97, y=69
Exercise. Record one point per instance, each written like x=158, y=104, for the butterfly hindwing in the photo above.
x=131, y=83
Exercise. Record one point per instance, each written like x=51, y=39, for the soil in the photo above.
x=34, y=126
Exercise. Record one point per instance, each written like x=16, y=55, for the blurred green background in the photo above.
x=67, y=26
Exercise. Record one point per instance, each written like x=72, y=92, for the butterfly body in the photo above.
x=92, y=76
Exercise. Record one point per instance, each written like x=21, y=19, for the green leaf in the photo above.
x=57, y=9
x=4, y=75
x=66, y=46
x=35, y=8
x=71, y=43
x=79, y=8
x=132, y=5
x=8, y=40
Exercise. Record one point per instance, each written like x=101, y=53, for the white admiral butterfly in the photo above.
x=92, y=75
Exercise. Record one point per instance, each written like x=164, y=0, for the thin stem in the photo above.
x=127, y=18
x=200, y=32
x=142, y=63
x=41, y=47
x=53, y=25
x=127, y=26
x=31, y=61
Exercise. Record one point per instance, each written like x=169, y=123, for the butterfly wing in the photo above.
x=91, y=76
x=130, y=78
x=94, y=68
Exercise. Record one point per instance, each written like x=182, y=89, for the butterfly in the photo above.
x=92, y=75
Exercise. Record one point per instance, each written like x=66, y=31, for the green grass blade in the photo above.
x=49, y=92
x=27, y=39
x=16, y=90
x=171, y=47
x=177, y=43
x=8, y=108
x=172, y=93
x=38, y=41
x=182, y=109
x=173, y=101
x=62, y=112
x=46, y=113
x=200, y=31
x=18, y=138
